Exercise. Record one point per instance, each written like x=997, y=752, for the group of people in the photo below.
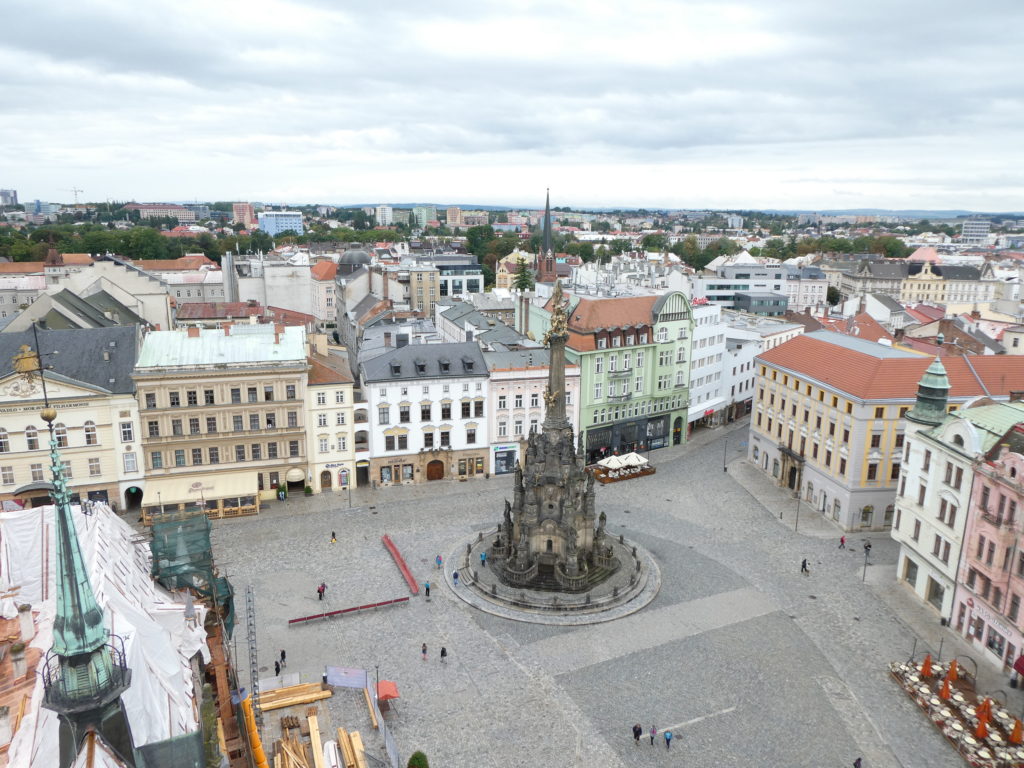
x=444, y=653
x=280, y=664
x=638, y=732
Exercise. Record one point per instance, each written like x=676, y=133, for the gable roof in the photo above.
x=591, y=314
x=426, y=361
x=876, y=372
x=206, y=310
x=324, y=270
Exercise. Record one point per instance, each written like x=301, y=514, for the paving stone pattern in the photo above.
x=746, y=660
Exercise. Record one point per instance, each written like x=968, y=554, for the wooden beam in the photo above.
x=314, y=740
x=345, y=745
x=357, y=749
x=306, y=699
x=369, y=706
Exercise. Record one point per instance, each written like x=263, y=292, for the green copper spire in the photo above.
x=932, y=395
x=78, y=626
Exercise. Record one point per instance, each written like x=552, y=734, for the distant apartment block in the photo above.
x=384, y=215
x=243, y=213
x=454, y=217
x=8, y=197
x=276, y=222
x=975, y=231
x=160, y=210
x=424, y=214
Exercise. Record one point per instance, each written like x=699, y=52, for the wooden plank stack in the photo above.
x=279, y=698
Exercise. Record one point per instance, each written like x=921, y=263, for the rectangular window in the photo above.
x=268, y=392
x=211, y=424
x=237, y=422
x=156, y=460
x=466, y=410
x=446, y=411
x=403, y=414
x=927, y=460
x=389, y=442
x=197, y=456
x=339, y=419
x=922, y=492
x=502, y=402
x=192, y=397
x=94, y=467
x=425, y=412
x=257, y=451
x=339, y=396
x=175, y=399
x=127, y=432
x=403, y=442
x=428, y=439
x=176, y=427
x=239, y=453
x=236, y=395
x=293, y=447
x=293, y=418
x=193, y=426
x=446, y=439
x=470, y=436
x=518, y=401
x=271, y=450
x=37, y=472
x=154, y=428
x=150, y=400
x=321, y=419
x=323, y=445
x=502, y=429
x=383, y=415
x=289, y=391
x=478, y=409
x=872, y=471
x=880, y=412
x=251, y=394
x=179, y=457
x=208, y=397
x=917, y=530
x=254, y=422
x=215, y=455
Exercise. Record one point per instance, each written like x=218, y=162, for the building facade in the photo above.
x=426, y=414
x=330, y=435
x=88, y=380
x=223, y=417
x=276, y=222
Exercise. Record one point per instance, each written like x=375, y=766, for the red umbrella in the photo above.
x=1016, y=735
x=926, y=667
x=981, y=731
x=953, y=671
x=386, y=690
x=944, y=691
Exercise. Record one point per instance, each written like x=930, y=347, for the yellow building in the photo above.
x=505, y=270
x=223, y=417
x=88, y=380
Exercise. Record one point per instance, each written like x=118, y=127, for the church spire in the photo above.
x=546, y=246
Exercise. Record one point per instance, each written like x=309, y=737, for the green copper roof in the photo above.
x=78, y=626
x=993, y=421
x=932, y=395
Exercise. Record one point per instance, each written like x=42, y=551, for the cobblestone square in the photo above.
x=748, y=662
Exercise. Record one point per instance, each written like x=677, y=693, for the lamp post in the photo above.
x=725, y=453
x=867, y=551
x=796, y=527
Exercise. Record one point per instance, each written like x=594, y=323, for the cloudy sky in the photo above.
x=663, y=103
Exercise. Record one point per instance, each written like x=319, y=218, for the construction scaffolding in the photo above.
x=254, y=665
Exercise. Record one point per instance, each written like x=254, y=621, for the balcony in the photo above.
x=620, y=397
x=621, y=374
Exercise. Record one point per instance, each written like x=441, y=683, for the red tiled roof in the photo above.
x=324, y=270
x=289, y=316
x=21, y=268
x=863, y=326
x=207, y=310
x=872, y=378
x=185, y=263
x=926, y=313
x=591, y=313
x=329, y=370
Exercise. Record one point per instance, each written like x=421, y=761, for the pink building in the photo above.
x=987, y=605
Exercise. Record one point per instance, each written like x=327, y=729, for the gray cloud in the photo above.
x=318, y=100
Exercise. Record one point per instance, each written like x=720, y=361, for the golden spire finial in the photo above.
x=26, y=362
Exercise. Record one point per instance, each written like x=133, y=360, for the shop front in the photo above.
x=232, y=494
x=638, y=435
x=503, y=458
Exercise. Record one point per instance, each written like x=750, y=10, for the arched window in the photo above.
x=61, y=433
x=5, y=441
x=90, y=433
x=32, y=438
x=958, y=440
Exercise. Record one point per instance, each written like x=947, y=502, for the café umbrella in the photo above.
x=926, y=667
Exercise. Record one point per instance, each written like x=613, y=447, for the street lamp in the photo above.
x=725, y=453
x=867, y=551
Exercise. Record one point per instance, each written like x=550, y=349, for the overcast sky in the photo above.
x=768, y=104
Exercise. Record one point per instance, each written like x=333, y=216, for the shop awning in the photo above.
x=173, y=490
x=294, y=475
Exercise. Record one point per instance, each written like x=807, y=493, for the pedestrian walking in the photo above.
x=455, y=577
x=320, y=591
x=334, y=538
x=423, y=650
x=638, y=731
x=283, y=664
x=323, y=589
x=856, y=763
x=277, y=668
x=426, y=589
x=483, y=559
x=668, y=739
x=804, y=569
x=654, y=732
x=444, y=655
x=842, y=542
x=867, y=548
x=438, y=562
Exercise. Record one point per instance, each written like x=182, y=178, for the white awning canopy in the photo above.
x=173, y=490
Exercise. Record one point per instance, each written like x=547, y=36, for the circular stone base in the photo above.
x=479, y=587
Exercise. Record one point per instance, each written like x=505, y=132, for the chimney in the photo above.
x=401, y=340
x=227, y=328
x=278, y=330
x=193, y=332
x=1017, y=395
x=387, y=338
x=26, y=626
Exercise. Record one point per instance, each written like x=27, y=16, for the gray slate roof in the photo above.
x=79, y=354
x=426, y=361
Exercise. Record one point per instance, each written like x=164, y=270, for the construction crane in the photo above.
x=74, y=190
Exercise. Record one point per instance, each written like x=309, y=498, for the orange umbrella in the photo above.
x=926, y=668
x=944, y=691
x=981, y=732
x=1016, y=737
x=984, y=712
x=953, y=671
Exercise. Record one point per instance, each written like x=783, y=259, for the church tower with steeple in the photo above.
x=546, y=272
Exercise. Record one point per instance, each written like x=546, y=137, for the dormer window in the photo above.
x=396, y=369
x=467, y=363
x=445, y=366
x=421, y=367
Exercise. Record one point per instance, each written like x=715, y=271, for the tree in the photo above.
x=418, y=760
x=688, y=250
x=477, y=239
x=618, y=245
x=832, y=296
x=656, y=241
x=523, y=281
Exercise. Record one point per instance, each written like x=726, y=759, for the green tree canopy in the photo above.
x=523, y=280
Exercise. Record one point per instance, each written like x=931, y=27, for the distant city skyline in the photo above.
x=749, y=105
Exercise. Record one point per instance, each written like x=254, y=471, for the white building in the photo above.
x=384, y=215
x=275, y=222
x=516, y=395
x=426, y=410
x=708, y=359
x=330, y=435
x=805, y=288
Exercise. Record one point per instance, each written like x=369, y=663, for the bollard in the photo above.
x=622, y=539
x=480, y=536
x=494, y=589
x=615, y=591
x=634, y=553
x=588, y=598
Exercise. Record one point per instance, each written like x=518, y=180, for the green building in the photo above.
x=634, y=359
